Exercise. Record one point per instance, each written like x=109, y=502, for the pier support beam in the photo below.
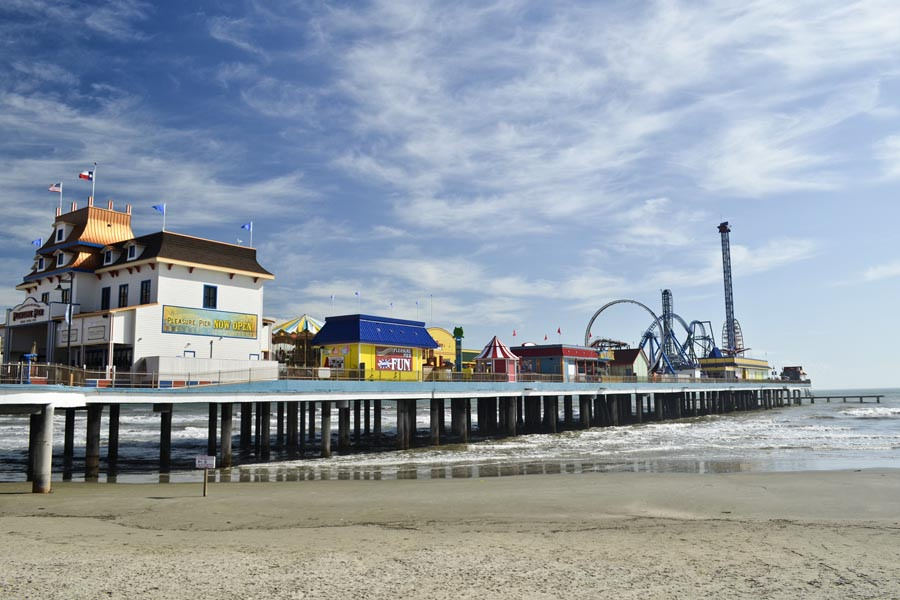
x=357, y=422
x=265, y=421
x=112, y=448
x=343, y=407
x=367, y=412
x=376, y=419
x=638, y=400
x=511, y=405
x=92, y=442
x=301, y=426
x=568, y=417
x=212, y=429
x=246, y=424
x=68, y=444
x=550, y=413
x=312, y=422
x=279, y=424
x=165, y=437
x=292, y=409
x=326, y=427
x=584, y=411
x=43, y=450
x=435, y=422
x=227, y=408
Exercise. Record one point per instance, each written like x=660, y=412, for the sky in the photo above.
x=500, y=165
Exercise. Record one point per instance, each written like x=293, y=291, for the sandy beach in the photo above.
x=775, y=535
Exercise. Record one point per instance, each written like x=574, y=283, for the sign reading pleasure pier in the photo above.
x=198, y=321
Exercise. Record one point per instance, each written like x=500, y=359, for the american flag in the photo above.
x=56, y=187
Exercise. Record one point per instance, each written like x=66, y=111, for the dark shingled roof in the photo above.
x=176, y=246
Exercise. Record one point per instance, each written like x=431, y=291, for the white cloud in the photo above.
x=885, y=271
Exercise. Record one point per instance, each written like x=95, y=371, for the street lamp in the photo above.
x=60, y=288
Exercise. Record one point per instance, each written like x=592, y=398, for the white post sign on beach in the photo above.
x=206, y=463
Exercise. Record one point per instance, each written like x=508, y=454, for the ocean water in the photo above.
x=833, y=435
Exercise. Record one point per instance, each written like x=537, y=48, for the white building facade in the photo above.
x=159, y=302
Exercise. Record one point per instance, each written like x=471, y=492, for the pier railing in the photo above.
x=54, y=374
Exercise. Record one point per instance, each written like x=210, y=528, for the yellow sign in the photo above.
x=201, y=321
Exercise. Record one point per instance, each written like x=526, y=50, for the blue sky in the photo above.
x=510, y=165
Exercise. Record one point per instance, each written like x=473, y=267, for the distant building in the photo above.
x=375, y=347
x=793, y=374
x=630, y=362
x=734, y=367
x=145, y=304
x=570, y=363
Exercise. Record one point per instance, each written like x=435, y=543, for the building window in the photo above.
x=123, y=295
x=145, y=291
x=40, y=264
x=209, y=296
x=107, y=257
x=60, y=259
x=65, y=295
x=59, y=234
x=132, y=252
x=104, y=298
x=45, y=297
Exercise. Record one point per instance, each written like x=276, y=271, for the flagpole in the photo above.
x=251, y=234
x=93, y=180
x=60, y=195
x=165, y=210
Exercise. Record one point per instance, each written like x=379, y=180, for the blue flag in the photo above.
x=248, y=226
x=160, y=208
x=37, y=243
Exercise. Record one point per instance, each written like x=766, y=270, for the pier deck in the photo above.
x=503, y=409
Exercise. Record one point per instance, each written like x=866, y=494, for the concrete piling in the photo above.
x=265, y=420
x=246, y=424
x=326, y=428
x=279, y=424
x=165, y=437
x=112, y=448
x=376, y=418
x=584, y=411
x=212, y=429
x=68, y=444
x=43, y=451
x=435, y=422
x=343, y=425
x=92, y=442
x=225, y=460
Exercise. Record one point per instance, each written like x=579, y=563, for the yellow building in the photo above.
x=735, y=367
x=446, y=350
x=374, y=348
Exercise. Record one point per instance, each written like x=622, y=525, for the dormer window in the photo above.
x=40, y=266
x=60, y=259
x=132, y=252
x=60, y=233
x=107, y=257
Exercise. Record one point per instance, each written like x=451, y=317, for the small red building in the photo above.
x=570, y=363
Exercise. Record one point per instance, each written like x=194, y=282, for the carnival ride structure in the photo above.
x=660, y=340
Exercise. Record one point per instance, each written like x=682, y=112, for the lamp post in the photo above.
x=60, y=288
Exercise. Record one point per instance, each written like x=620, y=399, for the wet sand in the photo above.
x=622, y=535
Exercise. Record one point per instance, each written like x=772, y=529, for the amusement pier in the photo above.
x=166, y=320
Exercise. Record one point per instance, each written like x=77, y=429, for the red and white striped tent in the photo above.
x=497, y=358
